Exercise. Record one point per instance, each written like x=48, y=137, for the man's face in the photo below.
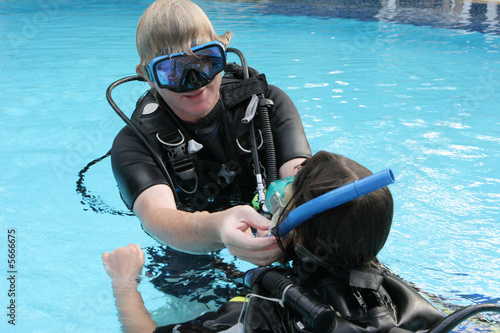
x=194, y=105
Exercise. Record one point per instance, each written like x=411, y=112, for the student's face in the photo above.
x=194, y=105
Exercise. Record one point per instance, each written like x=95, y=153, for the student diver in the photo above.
x=335, y=282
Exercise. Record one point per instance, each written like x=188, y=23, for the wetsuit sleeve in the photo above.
x=289, y=137
x=133, y=166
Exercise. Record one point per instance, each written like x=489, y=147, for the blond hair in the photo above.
x=169, y=26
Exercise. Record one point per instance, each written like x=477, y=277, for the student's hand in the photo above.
x=237, y=236
x=124, y=264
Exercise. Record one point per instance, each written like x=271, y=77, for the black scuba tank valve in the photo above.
x=318, y=316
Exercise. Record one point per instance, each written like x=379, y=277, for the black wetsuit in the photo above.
x=223, y=168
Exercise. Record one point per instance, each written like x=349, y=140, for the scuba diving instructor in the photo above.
x=207, y=133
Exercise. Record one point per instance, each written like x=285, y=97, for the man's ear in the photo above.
x=138, y=70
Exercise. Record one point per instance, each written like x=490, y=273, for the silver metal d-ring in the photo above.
x=194, y=188
x=247, y=151
x=171, y=144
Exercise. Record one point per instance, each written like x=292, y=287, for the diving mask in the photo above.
x=278, y=194
x=181, y=72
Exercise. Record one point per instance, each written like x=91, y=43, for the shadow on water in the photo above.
x=202, y=278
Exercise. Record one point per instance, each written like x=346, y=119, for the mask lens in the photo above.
x=276, y=194
x=166, y=72
x=209, y=59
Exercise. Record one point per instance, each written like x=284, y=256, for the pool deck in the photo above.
x=479, y=16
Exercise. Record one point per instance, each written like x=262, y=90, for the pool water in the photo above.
x=400, y=84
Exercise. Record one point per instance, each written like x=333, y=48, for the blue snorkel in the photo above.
x=334, y=198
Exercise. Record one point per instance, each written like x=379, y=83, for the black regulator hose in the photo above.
x=244, y=64
x=448, y=323
x=112, y=102
x=137, y=130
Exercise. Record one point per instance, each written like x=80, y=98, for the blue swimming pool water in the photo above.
x=378, y=85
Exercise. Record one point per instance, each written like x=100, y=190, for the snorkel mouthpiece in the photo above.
x=334, y=198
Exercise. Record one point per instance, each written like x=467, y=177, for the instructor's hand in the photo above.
x=236, y=234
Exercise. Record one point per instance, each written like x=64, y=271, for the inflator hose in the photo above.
x=267, y=136
x=318, y=316
x=265, y=123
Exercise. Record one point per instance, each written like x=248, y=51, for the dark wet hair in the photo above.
x=349, y=235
